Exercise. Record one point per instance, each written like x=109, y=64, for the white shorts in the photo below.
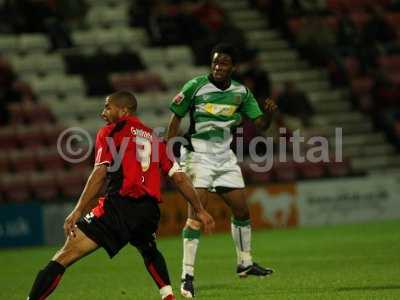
x=209, y=171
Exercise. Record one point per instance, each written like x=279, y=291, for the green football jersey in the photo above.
x=213, y=112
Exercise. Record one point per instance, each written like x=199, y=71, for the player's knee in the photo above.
x=193, y=224
x=241, y=214
x=67, y=255
x=148, y=251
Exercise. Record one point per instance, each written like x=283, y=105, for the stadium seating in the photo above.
x=43, y=185
x=108, y=54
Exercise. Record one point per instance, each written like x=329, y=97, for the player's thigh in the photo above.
x=202, y=193
x=75, y=248
x=235, y=198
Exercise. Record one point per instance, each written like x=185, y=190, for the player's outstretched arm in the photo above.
x=185, y=187
x=173, y=126
x=92, y=188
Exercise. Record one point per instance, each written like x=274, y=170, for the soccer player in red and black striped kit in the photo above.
x=131, y=157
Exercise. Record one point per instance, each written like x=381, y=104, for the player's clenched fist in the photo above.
x=207, y=220
x=270, y=105
x=70, y=223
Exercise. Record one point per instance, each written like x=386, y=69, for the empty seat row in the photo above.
x=42, y=186
x=111, y=16
x=359, y=19
x=137, y=82
x=32, y=136
x=24, y=43
x=49, y=86
x=40, y=159
x=292, y=171
x=29, y=113
x=354, y=5
x=37, y=63
x=111, y=40
x=167, y=56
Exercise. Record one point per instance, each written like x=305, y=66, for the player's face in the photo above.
x=221, y=67
x=111, y=112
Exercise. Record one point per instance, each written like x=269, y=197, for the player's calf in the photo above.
x=46, y=281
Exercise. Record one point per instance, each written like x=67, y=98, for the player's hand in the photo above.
x=207, y=220
x=70, y=223
x=270, y=105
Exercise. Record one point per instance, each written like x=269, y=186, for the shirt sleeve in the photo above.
x=180, y=104
x=103, y=153
x=250, y=107
x=167, y=162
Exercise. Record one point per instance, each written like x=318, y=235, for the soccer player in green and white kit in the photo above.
x=216, y=104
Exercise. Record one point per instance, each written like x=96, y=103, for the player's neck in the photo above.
x=125, y=117
x=222, y=85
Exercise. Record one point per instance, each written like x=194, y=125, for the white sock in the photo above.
x=190, y=244
x=241, y=234
x=165, y=291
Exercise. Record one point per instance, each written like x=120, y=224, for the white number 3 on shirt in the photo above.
x=143, y=152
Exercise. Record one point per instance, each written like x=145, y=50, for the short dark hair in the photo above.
x=124, y=99
x=225, y=48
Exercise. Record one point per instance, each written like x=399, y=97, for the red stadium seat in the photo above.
x=338, y=169
x=4, y=162
x=29, y=136
x=332, y=22
x=126, y=81
x=23, y=160
x=16, y=113
x=43, y=185
x=395, y=77
x=15, y=187
x=310, y=170
x=137, y=82
x=394, y=19
x=352, y=66
x=285, y=171
x=7, y=138
x=295, y=25
x=390, y=63
x=51, y=132
x=362, y=85
x=49, y=159
x=354, y=5
x=70, y=183
x=252, y=175
x=37, y=113
x=359, y=18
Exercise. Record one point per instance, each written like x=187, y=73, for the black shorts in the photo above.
x=120, y=221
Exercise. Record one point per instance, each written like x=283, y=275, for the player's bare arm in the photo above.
x=173, y=126
x=185, y=187
x=264, y=122
x=92, y=188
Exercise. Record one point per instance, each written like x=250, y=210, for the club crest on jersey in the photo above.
x=178, y=98
x=89, y=217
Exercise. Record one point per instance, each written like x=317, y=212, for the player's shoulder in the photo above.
x=138, y=123
x=238, y=86
x=105, y=130
x=198, y=80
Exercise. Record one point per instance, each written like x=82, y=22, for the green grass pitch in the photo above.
x=332, y=262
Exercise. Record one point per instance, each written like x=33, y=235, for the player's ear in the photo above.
x=125, y=111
